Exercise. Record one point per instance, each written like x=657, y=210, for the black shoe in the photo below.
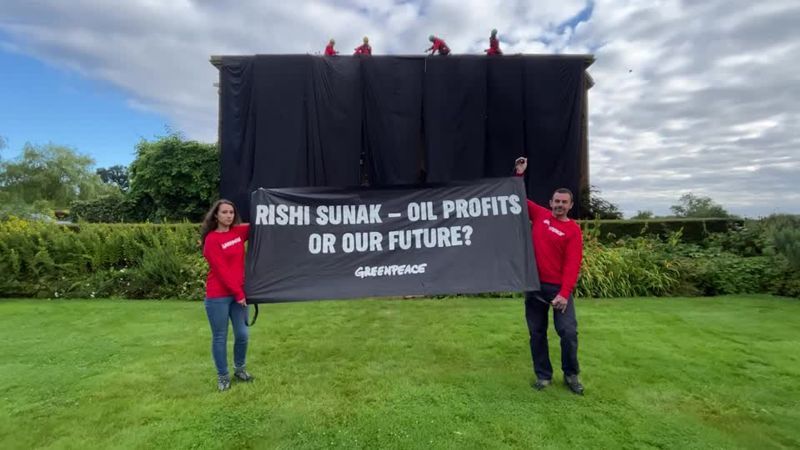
x=574, y=384
x=541, y=383
x=242, y=375
x=223, y=382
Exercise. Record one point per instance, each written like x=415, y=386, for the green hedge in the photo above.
x=100, y=260
x=639, y=268
x=164, y=261
x=693, y=230
x=114, y=208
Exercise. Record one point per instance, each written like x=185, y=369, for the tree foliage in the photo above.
x=115, y=175
x=51, y=173
x=174, y=179
x=643, y=215
x=783, y=236
x=691, y=205
x=593, y=206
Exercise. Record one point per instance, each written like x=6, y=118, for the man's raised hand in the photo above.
x=520, y=165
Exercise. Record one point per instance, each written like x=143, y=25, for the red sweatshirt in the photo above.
x=494, y=47
x=224, y=252
x=440, y=46
x=558, y=246
x=329, y=51
x=363, y=50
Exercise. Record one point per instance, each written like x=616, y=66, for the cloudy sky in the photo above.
x=694, y=96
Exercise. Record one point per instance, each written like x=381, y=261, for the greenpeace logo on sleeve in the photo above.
x=231, y=242
x=390, y=271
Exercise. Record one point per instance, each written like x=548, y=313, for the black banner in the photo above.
x=327, y=243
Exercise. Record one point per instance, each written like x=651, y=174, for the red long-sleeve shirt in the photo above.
x=364, y=49
x=558, y=246
x=494, y=47
x=440, y=46
x=224, y=252
x=329, y=51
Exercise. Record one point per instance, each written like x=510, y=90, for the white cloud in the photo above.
x=689, y=96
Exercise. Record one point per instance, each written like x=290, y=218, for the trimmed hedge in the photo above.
x=106, y=209
x=692, y=230
x=40, y=259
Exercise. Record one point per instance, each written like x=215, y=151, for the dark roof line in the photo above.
x=217, y=60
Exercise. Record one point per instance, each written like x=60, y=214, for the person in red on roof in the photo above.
x=494, y=45
x=223, y=238
x=364, y=49
x=558, y=248
x=329, y=50
x=438, y=46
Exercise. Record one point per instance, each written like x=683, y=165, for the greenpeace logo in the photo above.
x=552, y=228
x=390, y=271
x=231, y=242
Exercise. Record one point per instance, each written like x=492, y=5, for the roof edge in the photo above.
x=218, y=60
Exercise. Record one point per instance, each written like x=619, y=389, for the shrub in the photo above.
x=782, y=234
x=726, y=273
x=133, y=261
x=112, y=208
x=692, y=230
x=37, y=210
x=747, y=238
x=44, y=259
x=637, y=268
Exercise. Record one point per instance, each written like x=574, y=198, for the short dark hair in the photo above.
x=565, y=191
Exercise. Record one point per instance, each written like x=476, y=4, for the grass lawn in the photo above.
x=455, y=373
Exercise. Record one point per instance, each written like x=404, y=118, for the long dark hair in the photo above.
x=210, y=223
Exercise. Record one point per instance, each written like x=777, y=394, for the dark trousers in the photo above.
x=536, y=314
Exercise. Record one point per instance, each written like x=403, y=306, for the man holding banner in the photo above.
x=558, y=249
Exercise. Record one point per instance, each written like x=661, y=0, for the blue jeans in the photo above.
x=219, y=310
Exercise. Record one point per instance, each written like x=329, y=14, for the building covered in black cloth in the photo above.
x=305, y=120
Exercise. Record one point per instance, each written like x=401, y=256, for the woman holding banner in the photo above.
x=223, y=236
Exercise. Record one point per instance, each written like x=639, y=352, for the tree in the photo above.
x=695, y=206
x=783, y=236
x=53, y=173
x=115, y=175
x=174, y=179
x=595, y=207
x=643, y=215
x=3, y=144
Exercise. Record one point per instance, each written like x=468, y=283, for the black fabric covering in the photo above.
x=236, y=131
x=505, y=118
x=553, y=96
x=299, y=124
x=280, y=128
x=455, y=118
x=393, y=119
x=303, y=120
x=335, y=121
